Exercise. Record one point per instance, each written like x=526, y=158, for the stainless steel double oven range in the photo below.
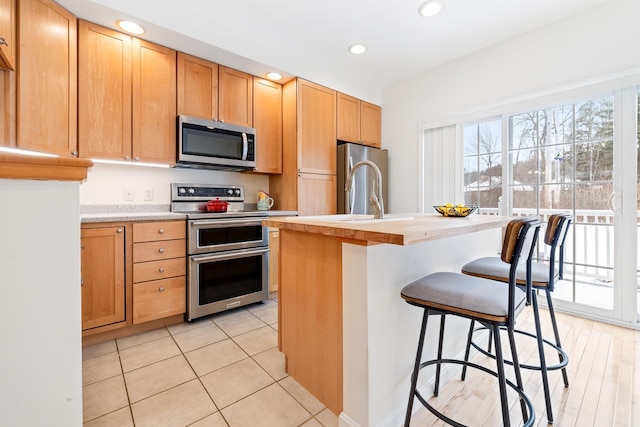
x=228, y=252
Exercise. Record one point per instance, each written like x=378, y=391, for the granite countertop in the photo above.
x=398, y=229
x=141, y=212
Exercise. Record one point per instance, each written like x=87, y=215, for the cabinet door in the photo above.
x=236, y=97
x=371, y=124
x=103, y=284
x=267, y=119
x=348, y=121
x=316, y=194
x=316, y=115
x=8, y=34
x=154, y=103
x=47, y=85
x=197, y=87
x=274, y=259
x=104, y=92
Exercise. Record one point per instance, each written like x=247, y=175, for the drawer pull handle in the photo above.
x=161, y=289
x=161, y=269
x=161, y=250
x=161, y=231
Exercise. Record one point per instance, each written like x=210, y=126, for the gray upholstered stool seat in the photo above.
x=488, y=302
x=495, y=269
x=458, y=293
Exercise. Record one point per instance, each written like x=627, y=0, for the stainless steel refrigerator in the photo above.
x=358, y=198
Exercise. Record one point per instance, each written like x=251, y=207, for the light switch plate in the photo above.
x=148, y=194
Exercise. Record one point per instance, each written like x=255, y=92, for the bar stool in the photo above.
x=482, y=300
x=539, y=277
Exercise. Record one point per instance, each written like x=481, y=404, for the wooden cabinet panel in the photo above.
x=154, y=103
x=274, y=259
x=162, y=269
x=370, y=124
x=316, y=128
x=163, y=249
x=197, y=87
x=103, y=276
x=236, y=97
x=267, y=120
x=47, y=83
x=358, y=121
x=348, y=118
x=316, y=194
x=8, y=34
x=104, y=92
x=160, y=230
x=158, y=299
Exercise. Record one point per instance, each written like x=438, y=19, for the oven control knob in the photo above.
x=192, y=191
x=237, y=192
x=230, y=192
x=181, y=190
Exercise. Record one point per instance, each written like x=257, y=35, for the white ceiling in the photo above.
x=309, y=39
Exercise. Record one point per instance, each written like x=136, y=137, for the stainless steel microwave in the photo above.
x=215, y=145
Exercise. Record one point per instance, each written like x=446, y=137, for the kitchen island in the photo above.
x=347, y=335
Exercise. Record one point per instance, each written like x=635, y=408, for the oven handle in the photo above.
x=227, y=222
x=228, y=255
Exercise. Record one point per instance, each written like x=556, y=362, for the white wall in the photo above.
x=105, y=183
x=597, y=43
x=40, y=307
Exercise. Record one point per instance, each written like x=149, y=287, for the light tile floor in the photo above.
x=224, y=370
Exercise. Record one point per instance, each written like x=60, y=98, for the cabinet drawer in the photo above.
x=155, y=270
x=164, y=249
x=158, y=299
x=163, y=230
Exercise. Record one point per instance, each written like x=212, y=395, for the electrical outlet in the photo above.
x=148, y=194
x=128, y=194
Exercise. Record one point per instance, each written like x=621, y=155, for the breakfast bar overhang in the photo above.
x=347, y=335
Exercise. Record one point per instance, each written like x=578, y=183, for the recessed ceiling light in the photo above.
x=131, y=27
x=274, y=76
x=357, y=48
x=430, y=8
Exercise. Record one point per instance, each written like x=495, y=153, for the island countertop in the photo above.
x=396, y=229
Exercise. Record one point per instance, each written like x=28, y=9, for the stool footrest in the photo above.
x=561, y=352
x=523, y=397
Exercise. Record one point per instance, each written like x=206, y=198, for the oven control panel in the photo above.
x=203, y=192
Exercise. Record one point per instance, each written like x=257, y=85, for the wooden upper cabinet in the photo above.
x=235, y=101
x=7, y=34
x=154, y=103
x=127, y=97
x=197, y=87
x=103, y=276
x=267, y=120
x=358, y=121
x=370, y=124
x=317, y=194
x=104, y=92
x=47, y=82
x=316, y=128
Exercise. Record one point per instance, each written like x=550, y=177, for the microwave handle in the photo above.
x=245, y=146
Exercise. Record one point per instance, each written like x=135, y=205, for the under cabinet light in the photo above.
x=12, y=150
x=130, y=163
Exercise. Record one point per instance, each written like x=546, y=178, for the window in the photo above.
x=483, y=164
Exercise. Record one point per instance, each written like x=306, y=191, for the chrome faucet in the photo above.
x=375, y=200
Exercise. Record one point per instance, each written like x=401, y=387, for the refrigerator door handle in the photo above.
x=352, y=196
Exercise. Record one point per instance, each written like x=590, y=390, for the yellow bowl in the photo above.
x=456, y=211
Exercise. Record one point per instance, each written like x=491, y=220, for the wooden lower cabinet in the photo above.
x=103, y=276
x=159, y=278
x=133, y=277
x=274, y=259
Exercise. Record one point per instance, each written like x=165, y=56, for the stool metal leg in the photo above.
x=466, y=351
x=416, y=368
x=557, y=336
x=436, y=386
x=543, y=361
x=516, y=369
x=501, y=376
